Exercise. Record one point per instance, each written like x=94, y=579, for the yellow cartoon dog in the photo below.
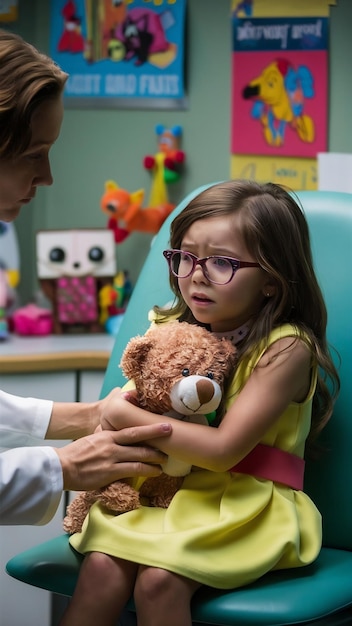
x=279, y=94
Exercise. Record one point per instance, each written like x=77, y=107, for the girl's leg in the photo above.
x=162, y=597
x=103, y=588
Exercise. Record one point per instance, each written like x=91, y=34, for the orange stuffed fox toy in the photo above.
x=126, y=213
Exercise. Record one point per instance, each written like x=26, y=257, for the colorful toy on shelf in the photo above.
x=9, y=275
x=113, y=297
x=4, y=331
x=107, y=297
x=72, y=266
x=165, y=165
x=126, y=213
x=32, y=320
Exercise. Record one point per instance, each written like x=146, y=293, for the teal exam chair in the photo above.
x=321, y=593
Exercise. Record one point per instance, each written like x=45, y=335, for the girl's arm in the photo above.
x=282, y=376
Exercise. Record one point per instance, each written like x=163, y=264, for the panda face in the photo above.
x=89, y=252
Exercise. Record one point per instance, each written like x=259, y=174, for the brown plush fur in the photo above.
x=155, y=362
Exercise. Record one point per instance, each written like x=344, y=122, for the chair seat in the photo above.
x=284, y=597
x=296, y=596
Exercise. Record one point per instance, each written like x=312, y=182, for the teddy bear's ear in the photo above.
x=135, y=354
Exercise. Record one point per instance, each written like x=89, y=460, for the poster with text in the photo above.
x=280, y=86
x=276, y=8
x=120, y=54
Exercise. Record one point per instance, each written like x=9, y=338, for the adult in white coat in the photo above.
x=32, y=476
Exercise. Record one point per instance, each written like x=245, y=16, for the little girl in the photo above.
x=241, y=265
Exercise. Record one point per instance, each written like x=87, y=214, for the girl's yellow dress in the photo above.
x=221, y=529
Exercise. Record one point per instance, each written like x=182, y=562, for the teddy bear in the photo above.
x=179, y=370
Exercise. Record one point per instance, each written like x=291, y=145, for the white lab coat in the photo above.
x=31, y=479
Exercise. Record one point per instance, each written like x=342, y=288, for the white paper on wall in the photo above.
x=335, y=171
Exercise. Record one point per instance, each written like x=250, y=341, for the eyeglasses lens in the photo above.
x=217, y=269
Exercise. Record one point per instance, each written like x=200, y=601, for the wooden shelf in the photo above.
x=55, y=353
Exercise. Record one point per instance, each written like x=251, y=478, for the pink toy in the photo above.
x=72, y=267
x=32, y=320
x=3, y=304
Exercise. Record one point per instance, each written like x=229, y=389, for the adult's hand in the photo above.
x=99, y=459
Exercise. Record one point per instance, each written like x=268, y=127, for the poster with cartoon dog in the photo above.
x=280, y=86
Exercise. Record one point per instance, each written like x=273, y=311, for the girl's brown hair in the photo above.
x=275, y=231
x=27, y=78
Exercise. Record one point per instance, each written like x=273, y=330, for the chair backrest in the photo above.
x=329, y=214
x=329, y=480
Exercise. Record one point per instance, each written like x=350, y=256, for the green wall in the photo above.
x=96, y=145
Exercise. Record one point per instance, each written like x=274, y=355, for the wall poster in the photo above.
x=279, y=91
x=8, y=10
x=122, y=53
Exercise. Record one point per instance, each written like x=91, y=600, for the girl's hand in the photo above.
x=114, y=409
x=131, y=396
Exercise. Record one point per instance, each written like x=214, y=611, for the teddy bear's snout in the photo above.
x=195, y=394
x=205, y=390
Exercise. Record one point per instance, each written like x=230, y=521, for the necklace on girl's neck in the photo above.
x=236, y=335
